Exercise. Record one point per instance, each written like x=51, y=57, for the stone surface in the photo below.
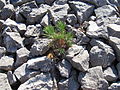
x=6, y=63
x=114, y=86
x=40, y=1
x=23, y=73
x=13, y=41
x=2, y=51
x=110, y=74
x=7, y=11
x=40, y=63
x=83, y=10
x=49, y=1
x=101, y=57
x=71, y=19
x=118, y=69
x=39, y=82
x=4, y=84
x=22, y=55
x=93, y=79
x=21, y=28
x=64, y=68
x=40, y=47
x=2, y=4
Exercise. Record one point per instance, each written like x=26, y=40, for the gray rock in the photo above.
x=105, y=11
x=40, y=1
x=21, y=28
x=32, y=31
x=93, y=79
x=6, y=63
x=11, y=78
x=13, y=41
x=115, y=43
x=114, y=86
x=41, y=63
x=22, y=55
x=110, y=74
x=2, y=51
x=39, y=82
x=23, y=73
x=59, y=12
x=71, y=19
x=4, y=84
x=94, y=31
x=2, y=4
x=68, y=84
x=60, y=2
x=93, y=18
x=101, y=57
x=31, y=4
x=118, y=69
x=49, y=1
x=40, y=47
x=7, y=12
x=113, y=30
x=83, y=10
x=64, y=68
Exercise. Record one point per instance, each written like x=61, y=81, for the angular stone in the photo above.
x=115, y=43
x=13, y=41
x=114, y=86
x=2, y=51
x=101, y=57
x=64, y=68
x=40, y=1
x=21, y=28
x=40, y=63
x=110, y=74
x=23, y=73
x=11, y=78
x=93, y=79
x=59, y=12
x=39, y=82
x=40, y=47
x=2, y=4
x=94, y=31
x=6, y=63
x=49, y=1
x=4, y=84
x=32, y=31
x=31, y=4
x=83, y=10
x=7, y=12
x=68, y=84
x=60, y=2
x=71, y=19
x=105, y=11
x=22, y=55
x=113, y=30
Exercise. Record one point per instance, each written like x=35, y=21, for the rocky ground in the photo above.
x=91, y=63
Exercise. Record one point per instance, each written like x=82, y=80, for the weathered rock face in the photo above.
x=39, y=82
x=93, y=79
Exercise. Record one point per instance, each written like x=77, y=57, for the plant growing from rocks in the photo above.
x=62, y=39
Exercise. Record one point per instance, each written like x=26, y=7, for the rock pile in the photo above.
x=91, y=63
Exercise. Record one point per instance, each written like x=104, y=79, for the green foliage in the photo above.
x=61, y=39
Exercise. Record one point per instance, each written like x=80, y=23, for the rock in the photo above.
x=68, y=84
x=11, y=78
x=93, y=79
x=45, y=20
x=59, y=12
x=93, y=18
x=110, y=74
x=49, y=1
x=101, y=57
x=71, y=19
x=21, y=28
x=115, y=43
x=7, y=12
x=6, y=63
x=114, y=86
x=60, y=2
x=2, y=4
x=32, y=31
x=105, y=11
x=83, y=10
x=40, y=47
x=13, y=41
x=23, y=73
x=94, y=31
x=4, y=84
x=40, y=1
x=2, y=51
x=31, y=4
x=113, y=30
x=41, y=63
x=39, y=82
x=22, y=55
x=64, y=68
